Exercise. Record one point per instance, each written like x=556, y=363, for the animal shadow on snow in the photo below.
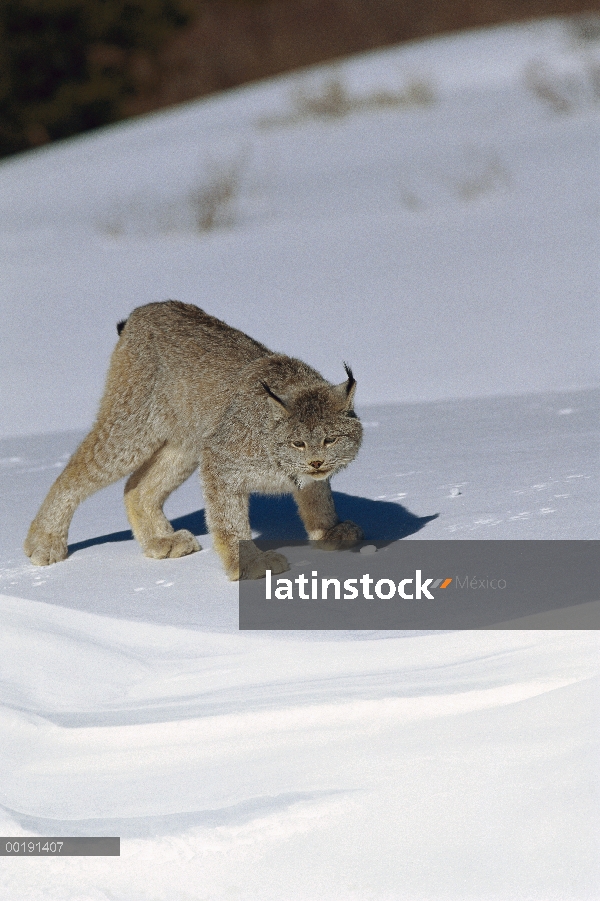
x=276, y=518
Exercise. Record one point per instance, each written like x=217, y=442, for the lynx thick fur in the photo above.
x=184, y=390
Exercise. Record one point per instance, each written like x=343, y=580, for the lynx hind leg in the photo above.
x=123, y=436
x=98, y=462
x=44, y=548
x=317, y=511
x=145, y=494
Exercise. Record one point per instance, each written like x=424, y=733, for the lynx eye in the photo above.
x=327, y=441
x=298, y=444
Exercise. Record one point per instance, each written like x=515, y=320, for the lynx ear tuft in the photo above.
x=351, y=383
x=280, y=404
x=346, y=390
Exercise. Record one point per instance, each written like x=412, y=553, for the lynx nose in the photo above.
x=316, y=464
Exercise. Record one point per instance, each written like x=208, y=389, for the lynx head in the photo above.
x=316, y=432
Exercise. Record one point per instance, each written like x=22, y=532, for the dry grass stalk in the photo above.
x=332, y=100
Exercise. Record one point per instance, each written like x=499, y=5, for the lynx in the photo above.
x=185, y=391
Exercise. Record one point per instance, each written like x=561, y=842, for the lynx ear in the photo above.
x=346, y=390
x=277, y=404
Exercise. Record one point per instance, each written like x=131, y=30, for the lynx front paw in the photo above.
x=343, y=535
x=257, y=567
x=179, y=544
x=44, y=549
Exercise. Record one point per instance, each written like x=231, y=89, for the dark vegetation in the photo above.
x=68, y=66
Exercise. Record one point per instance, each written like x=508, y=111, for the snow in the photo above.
x=448, y=251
